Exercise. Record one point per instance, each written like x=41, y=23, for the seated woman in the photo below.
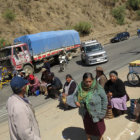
x=34, y=84
x=115, y=90
x=68, y=90
x=44, y=81
x=43, y=87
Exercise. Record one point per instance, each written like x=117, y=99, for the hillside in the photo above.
x=32, y=16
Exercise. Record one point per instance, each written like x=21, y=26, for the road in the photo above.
x=120, y=54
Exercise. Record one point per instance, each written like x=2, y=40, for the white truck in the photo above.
x=93, y=52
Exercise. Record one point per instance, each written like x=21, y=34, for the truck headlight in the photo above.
x=90, y=57
x=104, y=54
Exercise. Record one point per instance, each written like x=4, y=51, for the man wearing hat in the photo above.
x=22, y=122
x=54, y=85
x=100, y=76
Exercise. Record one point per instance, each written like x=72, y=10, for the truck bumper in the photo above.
x=96, y=61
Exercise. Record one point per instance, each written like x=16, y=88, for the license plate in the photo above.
x=98, y=59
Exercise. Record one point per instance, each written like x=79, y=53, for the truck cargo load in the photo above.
x=46, y=41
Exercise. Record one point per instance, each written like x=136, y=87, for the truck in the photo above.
x=28, y=51
x=93, y=52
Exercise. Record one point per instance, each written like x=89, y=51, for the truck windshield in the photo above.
x=5, y=52
x=93, y=48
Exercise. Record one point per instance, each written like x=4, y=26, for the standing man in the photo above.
x=22, y=122
x=100, y=76
x=46, y=65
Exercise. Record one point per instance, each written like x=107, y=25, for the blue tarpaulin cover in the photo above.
x=45, y=41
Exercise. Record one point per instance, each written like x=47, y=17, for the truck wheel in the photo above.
x=56, y=59
x=28, y=69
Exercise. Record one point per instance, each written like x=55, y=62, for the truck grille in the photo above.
x=97, y=56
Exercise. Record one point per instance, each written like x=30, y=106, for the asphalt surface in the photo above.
x=120, y=54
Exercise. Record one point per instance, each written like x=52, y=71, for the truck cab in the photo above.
x=5, y=58
x=15, y=57
x=92, y=52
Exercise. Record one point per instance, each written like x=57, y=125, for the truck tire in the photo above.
x=83, y=61
x=56, y=59
x=28, y=69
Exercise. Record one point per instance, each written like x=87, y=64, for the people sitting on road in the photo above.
x=117, y=96
x=54, y=86
x=22, y=74
x=44, y=81
x=100, y=76
x=44, y=75
x=66, y=97
x=34, y=84
x=43, y=86
x=46, y=65
x=137, y=110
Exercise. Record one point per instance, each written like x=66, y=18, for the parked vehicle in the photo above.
x=120, y=37
x=93, y=52
x=29, y=51
x=138, y=32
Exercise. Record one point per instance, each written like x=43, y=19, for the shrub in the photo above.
x=9, y=15
x=3, y=43
x=119, y=14
x=84, y=28
x=135, y=4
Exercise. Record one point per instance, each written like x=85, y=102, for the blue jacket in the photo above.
x=46, y=66
x=98, y=104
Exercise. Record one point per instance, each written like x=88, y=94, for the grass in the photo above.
x=119, y=14
x=9, y=15
x=84, y=28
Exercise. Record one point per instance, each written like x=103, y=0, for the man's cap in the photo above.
x=17, y=83
x=99, y=69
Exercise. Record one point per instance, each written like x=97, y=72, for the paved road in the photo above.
x=120, y=54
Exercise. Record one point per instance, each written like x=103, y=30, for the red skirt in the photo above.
x=91, y=128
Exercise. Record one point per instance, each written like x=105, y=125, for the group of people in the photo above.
x=49, y=85
x=92, y=96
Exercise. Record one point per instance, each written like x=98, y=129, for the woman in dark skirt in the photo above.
x=92, y=101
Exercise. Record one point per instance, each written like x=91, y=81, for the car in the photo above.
x=120, y=37
x=92, y=52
